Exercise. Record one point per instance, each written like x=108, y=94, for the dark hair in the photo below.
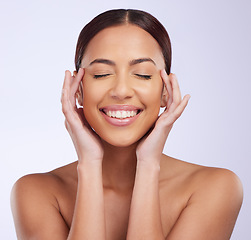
x=120, y=17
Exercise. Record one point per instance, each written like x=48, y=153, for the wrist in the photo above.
x=148, y=165
x=89, y=160
x=87, y=167
x=149, y=161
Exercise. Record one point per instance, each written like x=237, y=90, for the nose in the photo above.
x=122, y=88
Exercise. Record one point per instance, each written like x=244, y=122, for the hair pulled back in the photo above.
x=117, y=17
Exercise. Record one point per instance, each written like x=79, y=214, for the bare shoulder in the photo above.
x=219, y=179
x=48, y=183
x=200, y=177
x=221, y=187
x=35, y=203
x=33, y=188
x=34, y=183
x=212, y=199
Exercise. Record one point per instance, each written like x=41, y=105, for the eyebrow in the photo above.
x=131, y=63
x=140, y=60
x=104, y=61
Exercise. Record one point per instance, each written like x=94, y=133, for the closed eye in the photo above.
x=100, y=75
x=144, y=76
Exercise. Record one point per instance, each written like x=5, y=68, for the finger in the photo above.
x=67, y=80
x=74, y=123
x=67, y=107
x=170, y=118
x=76, y=80
x=66, y=104
x=67, y=88
x=166, y=80
x=176, y=92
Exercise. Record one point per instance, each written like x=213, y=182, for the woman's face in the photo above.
x=122, y=86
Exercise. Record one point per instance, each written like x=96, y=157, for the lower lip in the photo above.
x=120, y=122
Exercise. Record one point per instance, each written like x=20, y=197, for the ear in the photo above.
x=79, y=93
x=164, y=97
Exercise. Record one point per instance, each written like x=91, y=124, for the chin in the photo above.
x=121, y=141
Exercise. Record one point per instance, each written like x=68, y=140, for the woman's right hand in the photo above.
x=87, y=143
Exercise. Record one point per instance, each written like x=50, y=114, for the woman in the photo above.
x=122, y=186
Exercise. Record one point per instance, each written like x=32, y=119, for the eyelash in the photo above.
x=147, y=77
x=101, y=76
x=144, y=76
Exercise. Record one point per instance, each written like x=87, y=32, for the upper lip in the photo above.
x=120, y=108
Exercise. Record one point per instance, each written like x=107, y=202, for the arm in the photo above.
x=145, y=217
x=35, y=208
x=145, y=220
x=212, y=209
x=89, y=218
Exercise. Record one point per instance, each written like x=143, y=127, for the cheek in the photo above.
x=93, y=92
x=151, y=95
x=88, y=90
x=151, y=98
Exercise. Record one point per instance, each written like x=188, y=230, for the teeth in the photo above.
x=109, y=113
x=118, y=115
x=121, y=114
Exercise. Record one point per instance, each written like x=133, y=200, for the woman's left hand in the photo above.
x=151, y=146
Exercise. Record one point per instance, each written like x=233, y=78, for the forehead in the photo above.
x=125, y=42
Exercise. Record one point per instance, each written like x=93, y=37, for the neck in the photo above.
x=119, y=167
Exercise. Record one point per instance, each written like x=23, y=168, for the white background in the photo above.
x=211, y=57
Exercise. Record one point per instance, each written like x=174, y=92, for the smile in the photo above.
x=120, y=115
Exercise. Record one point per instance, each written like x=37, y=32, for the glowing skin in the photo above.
x=134, y=191
x=122, y=85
